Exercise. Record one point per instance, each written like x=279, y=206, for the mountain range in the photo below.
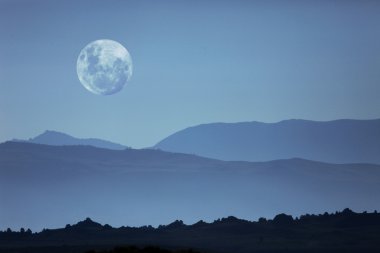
x=49, y=186
x=60, y=139
x=338, y=141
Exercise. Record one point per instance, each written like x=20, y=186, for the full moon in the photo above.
x=104, y=67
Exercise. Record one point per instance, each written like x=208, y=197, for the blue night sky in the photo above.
x=194, y=62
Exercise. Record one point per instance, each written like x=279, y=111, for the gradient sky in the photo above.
x=194, y=62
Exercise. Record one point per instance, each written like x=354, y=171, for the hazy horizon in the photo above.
x=149, y=146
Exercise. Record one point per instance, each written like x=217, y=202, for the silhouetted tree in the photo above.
x=347, y=211
x=262, y=220
x=107, y=226
x=283, y=219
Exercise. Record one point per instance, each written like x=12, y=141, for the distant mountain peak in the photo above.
x=53, y=132
x=56, y=138
x=50, y=134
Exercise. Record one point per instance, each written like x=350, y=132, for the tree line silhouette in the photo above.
x=340, y=231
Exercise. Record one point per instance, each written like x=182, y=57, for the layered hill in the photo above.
x=55, y=138
x=339, y=141
x=49, y=186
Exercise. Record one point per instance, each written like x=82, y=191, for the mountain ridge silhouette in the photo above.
x=55, y=138
x=337, y=141
x=344, y=231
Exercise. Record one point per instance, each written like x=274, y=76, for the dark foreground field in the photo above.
x=344, y=231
